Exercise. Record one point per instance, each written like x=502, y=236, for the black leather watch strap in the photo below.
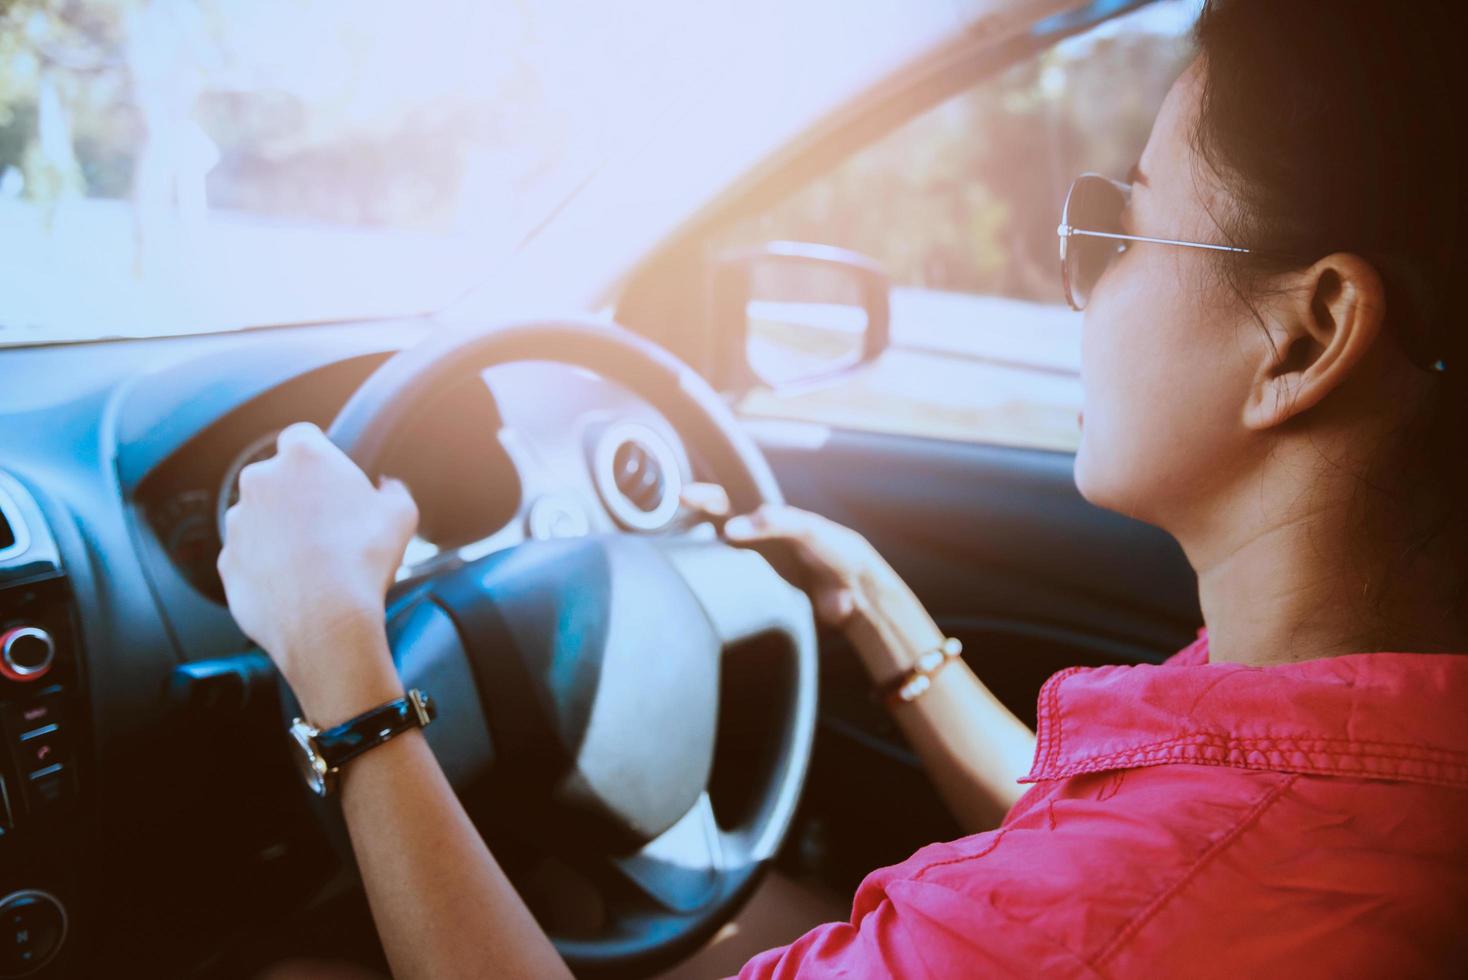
x=343, y=743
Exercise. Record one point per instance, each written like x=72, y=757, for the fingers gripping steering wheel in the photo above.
x=628, y=719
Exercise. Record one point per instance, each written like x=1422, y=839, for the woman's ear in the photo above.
x=1323, y=325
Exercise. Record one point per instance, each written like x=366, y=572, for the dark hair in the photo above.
x=1339, y=127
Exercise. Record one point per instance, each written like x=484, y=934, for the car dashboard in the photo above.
x=142, y=826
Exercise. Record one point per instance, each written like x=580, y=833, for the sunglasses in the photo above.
x=1091, y=236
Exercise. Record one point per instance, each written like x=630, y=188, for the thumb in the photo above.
x=772, y=522
x=709, y=499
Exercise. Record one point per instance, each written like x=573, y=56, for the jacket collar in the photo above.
x=1400, y=716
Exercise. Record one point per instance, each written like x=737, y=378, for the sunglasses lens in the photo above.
x=1094, y=204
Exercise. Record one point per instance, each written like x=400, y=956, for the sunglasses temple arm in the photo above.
x=1065, y=231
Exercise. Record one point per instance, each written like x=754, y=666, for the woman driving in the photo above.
x=1273, y=374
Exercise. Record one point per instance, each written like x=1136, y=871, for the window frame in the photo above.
x=884, y=107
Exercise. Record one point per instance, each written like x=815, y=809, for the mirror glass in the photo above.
x=806, y=320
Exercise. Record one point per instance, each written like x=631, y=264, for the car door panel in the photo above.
x=998, y=535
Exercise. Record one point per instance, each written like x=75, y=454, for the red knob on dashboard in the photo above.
x=26, y=653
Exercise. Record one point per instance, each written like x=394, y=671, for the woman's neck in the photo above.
x=1303, y=587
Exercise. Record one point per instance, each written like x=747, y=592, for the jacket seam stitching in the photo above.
x=1054, y=731
x=1051, y=721
x=1413, y=749
x=961, y=858
x=1059, y=724
x=1109, y=765
x=1218, y=847
x=1441, y=765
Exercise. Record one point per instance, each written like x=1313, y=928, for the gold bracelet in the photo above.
x=914, y=682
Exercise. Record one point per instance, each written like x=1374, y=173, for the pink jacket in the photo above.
x=1198, y=820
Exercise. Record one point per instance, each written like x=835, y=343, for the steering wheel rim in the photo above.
x=453, y=638
x=365, y=425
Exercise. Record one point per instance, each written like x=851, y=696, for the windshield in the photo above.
x=176, y=166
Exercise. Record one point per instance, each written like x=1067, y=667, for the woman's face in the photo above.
x=1164, y=372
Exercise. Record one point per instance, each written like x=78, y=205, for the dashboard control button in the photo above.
x=557, y=516
x=47, y=788
x=26, y=653
x=7, y=810
x=27, y=716
x=40, y=748
x=32, y=927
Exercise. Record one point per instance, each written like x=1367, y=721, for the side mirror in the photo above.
x=789, y=313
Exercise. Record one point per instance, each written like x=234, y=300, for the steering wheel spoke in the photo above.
x=430, y=656
x=746, y=600
x=741, y=593
x=681, y=869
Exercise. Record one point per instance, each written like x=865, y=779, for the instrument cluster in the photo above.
x=450, y=457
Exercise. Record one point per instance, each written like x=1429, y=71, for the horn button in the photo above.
x=599, y=674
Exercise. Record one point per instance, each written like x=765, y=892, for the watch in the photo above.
x=322, y=754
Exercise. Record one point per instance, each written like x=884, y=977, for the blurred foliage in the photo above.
x=966, y=197
x=71, y=47
x=303, y=121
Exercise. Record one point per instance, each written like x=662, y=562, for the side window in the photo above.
x=959, y=206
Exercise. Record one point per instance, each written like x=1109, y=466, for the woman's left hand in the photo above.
x=310, y=550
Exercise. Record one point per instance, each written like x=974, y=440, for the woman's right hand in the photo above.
x=840, y=563
x=850, y=585
x=974, y=748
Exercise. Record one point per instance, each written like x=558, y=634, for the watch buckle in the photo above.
x=422, y=707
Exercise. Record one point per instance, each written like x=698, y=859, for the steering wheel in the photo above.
x=627, y=718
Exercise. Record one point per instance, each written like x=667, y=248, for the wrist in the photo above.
x=343, y=668
x=893, y=621
x=343, y=703
x=394, y=753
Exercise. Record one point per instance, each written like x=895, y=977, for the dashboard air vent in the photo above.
x=12, y=532
x=638, y=476
x=27, y=549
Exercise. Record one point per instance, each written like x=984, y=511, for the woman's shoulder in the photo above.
x=1147, y=868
